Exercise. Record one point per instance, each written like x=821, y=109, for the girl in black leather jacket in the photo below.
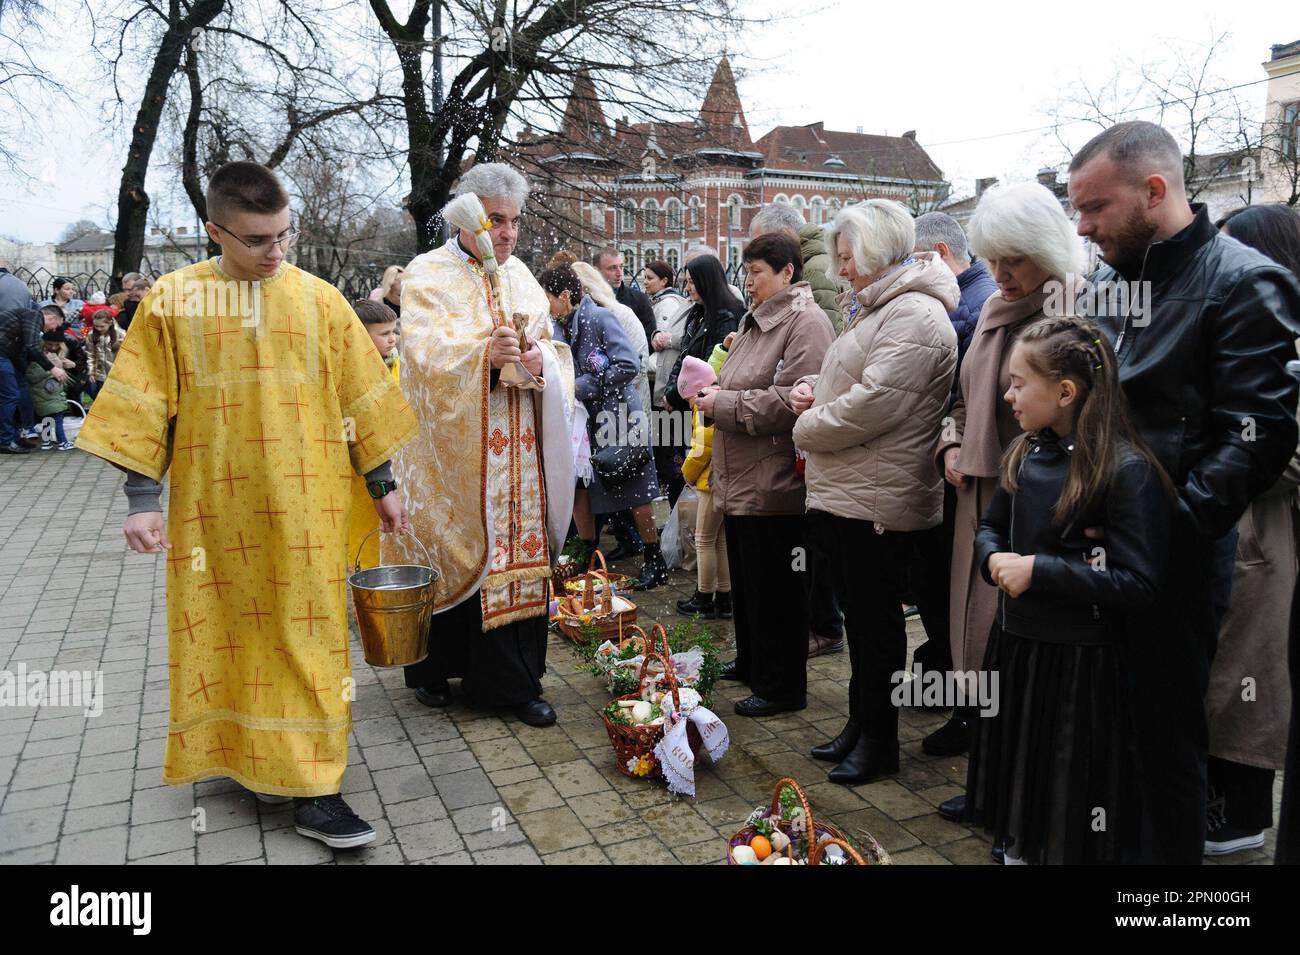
x=1052, y=772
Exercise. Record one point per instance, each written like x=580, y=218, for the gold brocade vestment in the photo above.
x=485, y=491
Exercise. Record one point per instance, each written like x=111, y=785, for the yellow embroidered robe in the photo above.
x=478, y=494
x=260, y=400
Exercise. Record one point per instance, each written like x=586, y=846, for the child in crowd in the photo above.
x=381, y=322
x=92, y=307
x=1052, y=770
x=105, y=339
x=712, y=597
x=49, y=396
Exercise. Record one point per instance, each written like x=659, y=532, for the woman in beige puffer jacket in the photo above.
x=868, y=431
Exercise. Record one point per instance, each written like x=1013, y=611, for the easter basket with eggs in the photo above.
x=637, y=723
x=785, y=833
x=592, y=600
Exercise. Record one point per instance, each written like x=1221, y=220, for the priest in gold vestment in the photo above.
x=254, y=387
x=489, y=476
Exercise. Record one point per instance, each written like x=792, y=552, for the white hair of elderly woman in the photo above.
x=880, y=233
x=1026, y=219
x=494, y=180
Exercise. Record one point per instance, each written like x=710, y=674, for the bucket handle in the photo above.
x=356, y=564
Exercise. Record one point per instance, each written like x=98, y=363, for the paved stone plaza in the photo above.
x=453, y=786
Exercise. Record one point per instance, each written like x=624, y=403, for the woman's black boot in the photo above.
x=840, y=746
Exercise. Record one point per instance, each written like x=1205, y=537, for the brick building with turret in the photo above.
x=654, y=189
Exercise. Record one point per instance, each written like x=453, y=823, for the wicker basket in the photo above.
x=632, y=742
x=598, y=603
x=564, y=572
x=825, y=834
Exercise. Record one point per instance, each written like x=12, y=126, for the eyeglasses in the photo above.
x=285, y=242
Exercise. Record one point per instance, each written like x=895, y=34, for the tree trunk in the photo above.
x=132, y=200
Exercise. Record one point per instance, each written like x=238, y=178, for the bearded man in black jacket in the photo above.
x=1202, y=327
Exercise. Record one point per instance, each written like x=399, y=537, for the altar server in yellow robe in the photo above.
x=256, y=389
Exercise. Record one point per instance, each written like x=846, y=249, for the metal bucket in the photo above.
x=393, y=605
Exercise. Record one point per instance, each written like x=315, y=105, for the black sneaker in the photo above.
x=332, y=821
x=13, y=447
x=1226, y=840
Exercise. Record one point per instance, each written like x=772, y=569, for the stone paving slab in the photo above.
x=450, y=787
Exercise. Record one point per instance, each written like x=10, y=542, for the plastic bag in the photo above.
x=678, y=542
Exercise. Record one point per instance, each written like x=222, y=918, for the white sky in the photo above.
x=959, y=74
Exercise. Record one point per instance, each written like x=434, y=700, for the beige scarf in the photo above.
x=981, y=385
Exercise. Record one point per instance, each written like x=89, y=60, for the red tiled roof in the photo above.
x=814, y=148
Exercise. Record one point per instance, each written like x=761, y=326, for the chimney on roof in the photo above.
x=910, y=134
x=983, y=184
x=183, y=230
x=154, y=230
x=1047, y=176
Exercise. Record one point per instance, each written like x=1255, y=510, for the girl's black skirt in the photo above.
x=1053, y=772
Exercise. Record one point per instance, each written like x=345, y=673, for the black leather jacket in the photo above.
x=1204, y=367
x=1080, y=587
x=20, y=338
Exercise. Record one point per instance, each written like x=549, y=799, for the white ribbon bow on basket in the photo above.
x=674, y=750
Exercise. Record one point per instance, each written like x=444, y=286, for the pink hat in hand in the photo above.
x=695, y=376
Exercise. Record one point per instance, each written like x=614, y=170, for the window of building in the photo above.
x=650, y=212
x=1290, y=131
x=782, y=198
x=598, y=216
x=629, y=261
x=695, y=213
x=733, y=255
x=673, y=215
x=629, y=216
x=818, y=208
x=673, y=259
x=734, y=209
x=799, y=204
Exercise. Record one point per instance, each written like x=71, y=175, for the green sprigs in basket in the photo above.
x=622, y=680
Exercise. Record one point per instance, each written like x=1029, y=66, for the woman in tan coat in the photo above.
x=867, y=423
x=782, y=338
x=1035, y=257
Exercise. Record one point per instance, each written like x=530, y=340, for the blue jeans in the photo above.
x=59, y=435
x=11, y=394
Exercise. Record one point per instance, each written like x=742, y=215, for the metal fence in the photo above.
x=40, y=282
